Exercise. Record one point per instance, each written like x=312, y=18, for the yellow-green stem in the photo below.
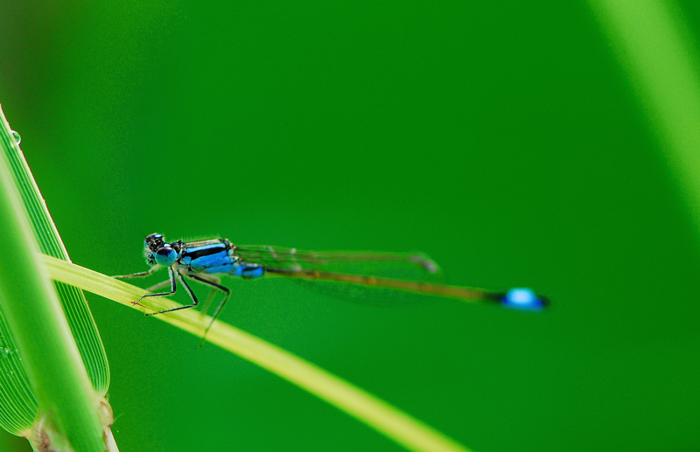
x=387, y=419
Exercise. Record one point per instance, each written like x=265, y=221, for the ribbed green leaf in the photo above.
x=18, y=407
x=73, y=300
x=45, y=392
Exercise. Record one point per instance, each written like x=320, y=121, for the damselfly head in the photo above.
x=154, y=242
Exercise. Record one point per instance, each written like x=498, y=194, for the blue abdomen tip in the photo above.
x=523, y=298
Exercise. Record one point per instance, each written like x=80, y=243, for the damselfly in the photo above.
x=201, y=260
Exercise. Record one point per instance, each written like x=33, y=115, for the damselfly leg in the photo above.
x=173, y=287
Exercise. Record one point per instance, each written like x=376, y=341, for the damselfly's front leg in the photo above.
x=158, y=286
x=173, y=288
x=139, y=274
x=209, y=277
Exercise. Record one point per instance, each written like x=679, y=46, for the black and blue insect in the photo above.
x=202, y=260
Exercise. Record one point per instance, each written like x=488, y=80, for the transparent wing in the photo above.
x=407, y=272
x=398, y=265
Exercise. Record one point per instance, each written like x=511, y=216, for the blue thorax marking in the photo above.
x=208, y=255
x=207, y=261
x=215, y=257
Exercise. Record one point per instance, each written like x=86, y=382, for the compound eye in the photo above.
x=154, y=241
x=166, y=256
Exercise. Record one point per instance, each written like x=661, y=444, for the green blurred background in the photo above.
x=503, y=139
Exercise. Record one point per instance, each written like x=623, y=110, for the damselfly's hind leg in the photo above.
x=213, y=282
x=213, y=291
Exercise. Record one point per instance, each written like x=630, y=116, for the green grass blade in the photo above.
x=661, y=61
x=392, y=422
x=74, y=304
x=68, y=405
x=18, y=406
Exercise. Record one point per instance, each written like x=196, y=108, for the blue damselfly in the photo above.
x=201, y=260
